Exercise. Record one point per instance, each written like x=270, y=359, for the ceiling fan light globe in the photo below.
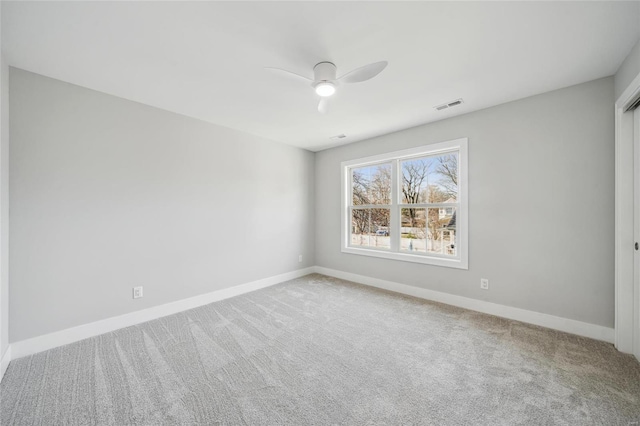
x=325, y=89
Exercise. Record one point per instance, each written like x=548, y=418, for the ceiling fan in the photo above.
x=325, y=82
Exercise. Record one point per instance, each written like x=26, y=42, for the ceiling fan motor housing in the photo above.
x=324, y=71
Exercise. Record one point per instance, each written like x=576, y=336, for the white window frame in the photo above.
x=461, y=260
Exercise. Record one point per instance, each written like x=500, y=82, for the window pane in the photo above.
x=432, y=179
x=441, y=235
x=370, y=228
x=433, y=234
x=413, y=232
x=371, y=184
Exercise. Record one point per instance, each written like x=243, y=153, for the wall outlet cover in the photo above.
x=137, y=292
x=484, y=283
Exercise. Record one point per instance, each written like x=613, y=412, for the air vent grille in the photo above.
x=448, y=105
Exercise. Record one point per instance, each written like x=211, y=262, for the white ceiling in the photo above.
x=206, y=59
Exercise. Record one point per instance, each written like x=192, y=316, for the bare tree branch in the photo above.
x=448, y=170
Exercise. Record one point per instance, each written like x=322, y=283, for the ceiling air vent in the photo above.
x=448, y=105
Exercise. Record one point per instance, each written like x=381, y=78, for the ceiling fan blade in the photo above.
x=323, y=106
x=364, y=73
x=289, y=74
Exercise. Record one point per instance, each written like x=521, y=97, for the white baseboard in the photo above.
x=584, y=329
x=74, y=334
x=70, y=335
x=6, y=358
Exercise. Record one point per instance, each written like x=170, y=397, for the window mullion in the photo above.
x=394, y=217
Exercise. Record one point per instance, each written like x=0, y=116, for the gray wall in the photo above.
x=107, y=194
x=541, y=193
x=4, y=206
x=629, y=69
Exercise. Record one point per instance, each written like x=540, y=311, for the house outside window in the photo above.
x=408, y=205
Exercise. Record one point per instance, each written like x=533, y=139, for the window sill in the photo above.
x=406, y=257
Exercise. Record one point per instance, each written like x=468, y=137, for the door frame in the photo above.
x=636, y=230
x=627, y=283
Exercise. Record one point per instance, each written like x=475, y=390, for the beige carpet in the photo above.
x=322, y=351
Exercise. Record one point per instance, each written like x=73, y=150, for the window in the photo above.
x=408, y=205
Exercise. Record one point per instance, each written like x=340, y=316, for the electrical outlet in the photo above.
x=300, y=258
x=137, y=292
x=484, y=283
